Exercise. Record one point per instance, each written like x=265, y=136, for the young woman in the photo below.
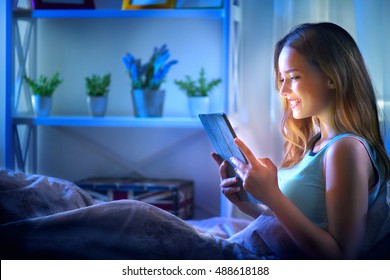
x=335, y=160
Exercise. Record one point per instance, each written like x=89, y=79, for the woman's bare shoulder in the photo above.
x=348, y=157
x=348, y=147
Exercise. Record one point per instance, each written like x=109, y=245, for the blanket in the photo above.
x=28, y=196
x=122, y=229
x=48, y=218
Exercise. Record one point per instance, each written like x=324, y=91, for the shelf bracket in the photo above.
x=22, y=48
x=22, y=151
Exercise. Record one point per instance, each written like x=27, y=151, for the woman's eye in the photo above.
x=294, y=78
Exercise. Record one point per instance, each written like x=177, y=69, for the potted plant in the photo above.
x=97, y=93
x=42, y=92
x=198, y=92
x=146, y=80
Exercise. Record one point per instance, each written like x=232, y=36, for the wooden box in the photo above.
x=173, y=195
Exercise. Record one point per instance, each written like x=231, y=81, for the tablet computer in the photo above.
x=221, y=135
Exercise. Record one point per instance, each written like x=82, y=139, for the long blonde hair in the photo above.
x=331, y=49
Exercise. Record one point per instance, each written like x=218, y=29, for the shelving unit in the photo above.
x=113, y=121
x=163, y=13
x=21, y=135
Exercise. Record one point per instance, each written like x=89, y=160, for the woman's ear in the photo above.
x=331, y=84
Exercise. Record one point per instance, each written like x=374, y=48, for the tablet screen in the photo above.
x=221, y=134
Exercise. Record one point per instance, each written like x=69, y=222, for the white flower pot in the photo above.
x=198, y=105
x=97, y=105
x=42, y=105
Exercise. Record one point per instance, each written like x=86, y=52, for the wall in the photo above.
x=82, y=47
x=259, y=115
x=260, y=112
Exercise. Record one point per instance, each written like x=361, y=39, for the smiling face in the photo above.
x=304, y=86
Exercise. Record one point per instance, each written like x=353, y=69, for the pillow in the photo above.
x=25, y=196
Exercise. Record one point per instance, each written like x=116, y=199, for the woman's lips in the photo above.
x=294, y=102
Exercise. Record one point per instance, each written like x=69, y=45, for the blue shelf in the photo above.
x=109, y=121
x=157, y=13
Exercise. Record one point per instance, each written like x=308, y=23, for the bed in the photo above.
x=48, y=218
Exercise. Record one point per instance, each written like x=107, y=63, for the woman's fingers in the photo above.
x=266, y=162
x=217, y=158
x=228, y=182
x=229, y=191
x=241, y=167
x=222, y=165
x=246, y=151
x=229, y=186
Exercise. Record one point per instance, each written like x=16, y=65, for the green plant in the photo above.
x=151, y=74
x=44, y=86
x=201, y=87
x=98, y=85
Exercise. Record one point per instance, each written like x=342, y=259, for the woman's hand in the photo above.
x=232, y=188
x=259, y=176
x=229, y=186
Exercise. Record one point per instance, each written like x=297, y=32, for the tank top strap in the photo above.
x=344, y=135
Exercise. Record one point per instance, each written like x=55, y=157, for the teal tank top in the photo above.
x=304, y=184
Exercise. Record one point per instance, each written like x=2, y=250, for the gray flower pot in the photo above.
x=97, y=105
x=148, y=103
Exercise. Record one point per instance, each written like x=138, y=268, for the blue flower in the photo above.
x=152, y=74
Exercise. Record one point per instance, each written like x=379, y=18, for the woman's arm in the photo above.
x=349, y=175
x=348, y=171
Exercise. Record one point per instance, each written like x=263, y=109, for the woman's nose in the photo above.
x=284, y=89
